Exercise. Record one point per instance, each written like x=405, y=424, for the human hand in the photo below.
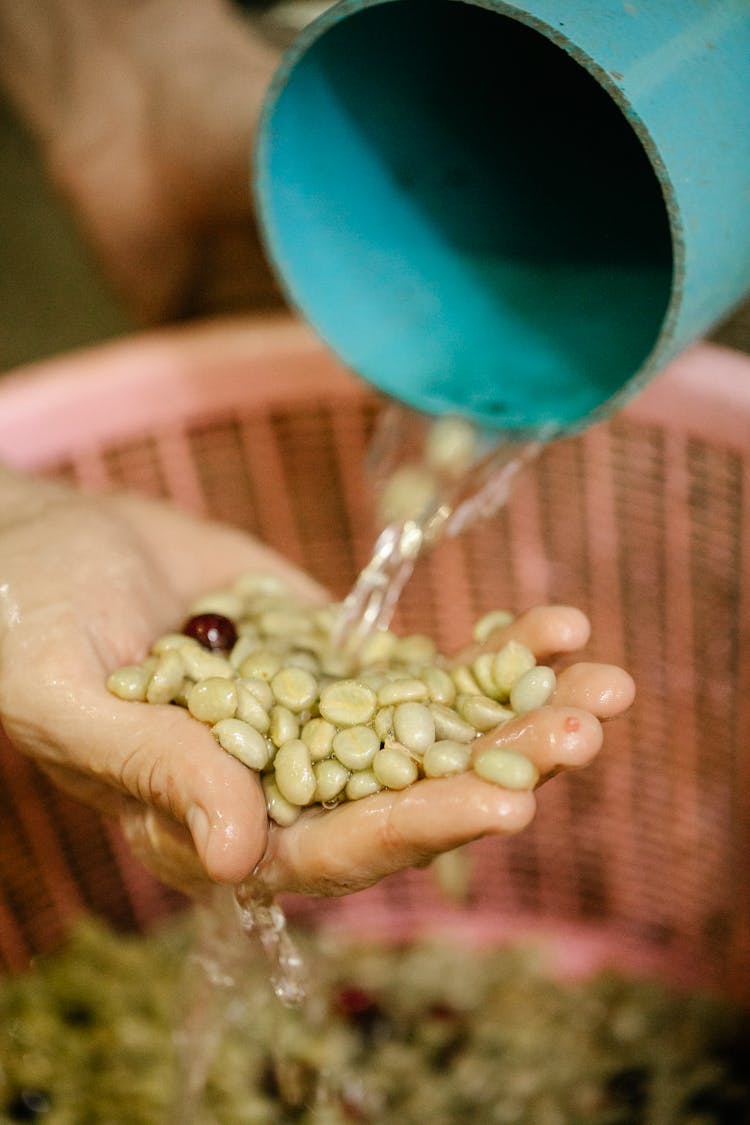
x=338, y=851
x=109, y=575
x=87, y=585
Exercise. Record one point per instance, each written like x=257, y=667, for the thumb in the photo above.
x=172, y=764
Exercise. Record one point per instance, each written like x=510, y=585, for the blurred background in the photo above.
x=643, y=523
x=58, y=289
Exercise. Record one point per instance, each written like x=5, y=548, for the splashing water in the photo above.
x=437, y=478
x=434, y=479
x=212, y=999
x=260, y=916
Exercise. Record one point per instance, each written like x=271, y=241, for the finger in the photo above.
x=546, y=630
x=165, y=848
x=343, y=850
x=603, y=689
x=553, y=738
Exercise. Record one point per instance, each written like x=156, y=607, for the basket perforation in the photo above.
x=640, y=498
x=306, y=448
x=643, y=523
x=135, y=460
x=561, y=473
x=229, y=490
x=350, y=431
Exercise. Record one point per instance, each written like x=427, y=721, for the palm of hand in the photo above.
x=88, y=585
x=107, y=577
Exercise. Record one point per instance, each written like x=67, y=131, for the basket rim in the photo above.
x=163, y=379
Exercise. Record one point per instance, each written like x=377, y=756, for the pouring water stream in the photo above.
x=456, y=500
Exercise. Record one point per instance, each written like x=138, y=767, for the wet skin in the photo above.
x=89, y=583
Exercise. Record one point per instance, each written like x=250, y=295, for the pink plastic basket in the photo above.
x=643, y=523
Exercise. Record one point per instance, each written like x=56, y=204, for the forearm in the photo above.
x=145, y=116
x=79, y=71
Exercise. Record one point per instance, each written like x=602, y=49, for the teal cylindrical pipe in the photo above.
x=517, y=213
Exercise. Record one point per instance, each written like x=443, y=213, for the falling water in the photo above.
x=230, y=926
x=425, y=495
x=426, y=491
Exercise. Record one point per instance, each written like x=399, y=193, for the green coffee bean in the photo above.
x=509, y=665
x=394, y=769
x=250, y=710
x=402, y=691
x=490, y=623
x=294, y=772
x=294, y=688
x=361, y=784
x=284, y=725
x=262, y=664
x=355, y=747
x=170, y=641
x=347, y=703
x=482, y=712
x=506, y=768
x=284, y=623
x=465, y=680
x=451, y=445
x=243, y=646
x=374, y=678
x=212, y=699
x=202, y=665
x=331, y=778
x=166, y=679
x=379, y=648
x=446, y=757
x=317, y=735
x=440, y=686
x=383, y=723
x=482, y=670
x=533, y=689
x=302, y=658
x=414, y=726
x=243, y=742
x=414, y=649
x=280, y=810
x=249, y=586
x=260, y=689
x=129, y=682
x=449, y=724
x=408, y=492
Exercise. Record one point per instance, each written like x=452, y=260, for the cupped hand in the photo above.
x=89, y=583
x=338, y=851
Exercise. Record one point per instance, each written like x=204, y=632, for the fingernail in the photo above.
x=200, y=828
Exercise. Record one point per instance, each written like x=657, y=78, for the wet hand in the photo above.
x=90, y=582
x=348, y=848
x=87, y=584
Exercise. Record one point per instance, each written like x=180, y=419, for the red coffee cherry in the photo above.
x=212, y=630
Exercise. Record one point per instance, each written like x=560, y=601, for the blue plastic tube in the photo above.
x=514, y=213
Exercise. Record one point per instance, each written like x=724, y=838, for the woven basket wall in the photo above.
x=643, y=523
